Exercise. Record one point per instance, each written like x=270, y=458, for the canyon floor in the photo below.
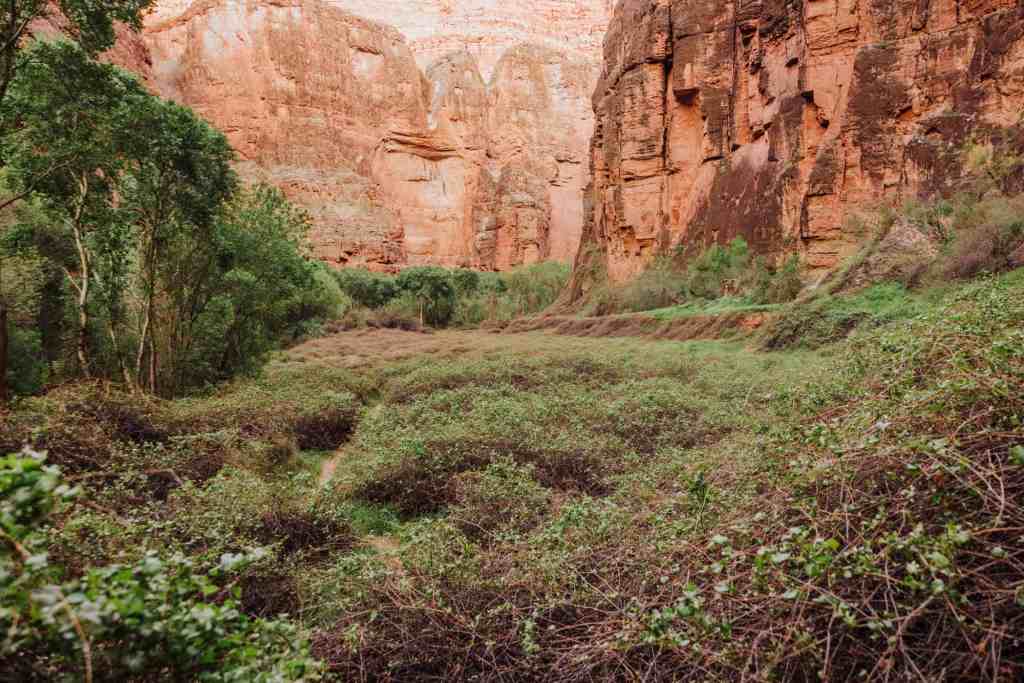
x=833, y=493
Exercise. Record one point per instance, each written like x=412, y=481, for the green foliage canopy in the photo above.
x=90, y=22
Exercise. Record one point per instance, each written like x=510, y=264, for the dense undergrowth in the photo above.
x=580, y=509
x=721, y=277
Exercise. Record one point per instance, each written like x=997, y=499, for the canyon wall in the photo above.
x=485, y=28
x=401, y=149
x=776, y=120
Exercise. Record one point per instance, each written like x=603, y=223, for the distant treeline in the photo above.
x=439, y=297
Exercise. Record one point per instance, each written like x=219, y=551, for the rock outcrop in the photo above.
x=398, y=164
x=778, y=119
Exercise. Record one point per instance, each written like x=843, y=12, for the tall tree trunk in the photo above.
x=83, y=327
x=146, y=338
x=142, y=351
x=85, y=275
x=4, y=392
x=152, y=365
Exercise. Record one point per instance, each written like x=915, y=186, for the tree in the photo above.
x=4, y=341
x=372, y=290
x=179, y=175
x=433, y=289
x=92, y=24
x=89, y=22
x=65, y=111
x=22, y=279
x=256, y=286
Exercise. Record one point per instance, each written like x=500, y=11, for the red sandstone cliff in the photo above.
x=398, y=165
x=777, y=119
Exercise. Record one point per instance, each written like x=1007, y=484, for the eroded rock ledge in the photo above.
x=777, y=119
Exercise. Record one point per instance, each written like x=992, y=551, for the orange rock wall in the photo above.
x=778, y=119
x=398, y=164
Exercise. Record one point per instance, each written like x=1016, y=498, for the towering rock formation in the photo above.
x=777, y=119
x=400, y=164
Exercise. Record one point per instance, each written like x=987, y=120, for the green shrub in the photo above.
x=831, y=318
x=708, y=273
x=984, y=236
x=501, y=297
x=661, y=285
x=325, y=300
x=365, y=288
x=767, y=286
x=401, y=313
x=157, y=618
x=467, y=282
x=715, y=274
x=533, y=288
x=439, y=297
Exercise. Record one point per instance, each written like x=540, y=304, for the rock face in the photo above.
x=777, y=119
x=398, y=164
x=487, y=29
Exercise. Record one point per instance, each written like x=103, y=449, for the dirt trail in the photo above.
x=328, y=468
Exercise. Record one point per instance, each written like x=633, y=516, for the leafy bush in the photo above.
x=775, y=287
x=157, y=618
x=709, y=273
x=831, y=318
x=467, y=282
x=404, y=312
x=421, y=482
x=984, y=236
x=535, y=287
x=522, y=291
x=365, y=288
x=661, y=285
x=438, y=297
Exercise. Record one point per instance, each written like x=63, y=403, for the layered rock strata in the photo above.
x=398, y=165
x=777, y=120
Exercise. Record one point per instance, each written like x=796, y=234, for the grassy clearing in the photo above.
x=533, y=507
